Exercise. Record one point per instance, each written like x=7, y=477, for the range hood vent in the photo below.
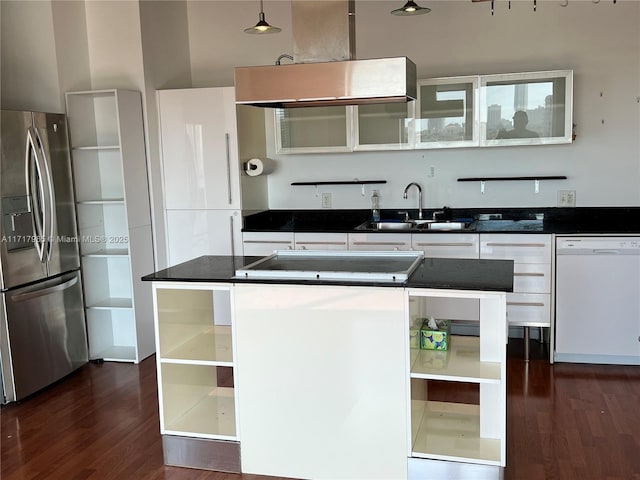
x=325, y=71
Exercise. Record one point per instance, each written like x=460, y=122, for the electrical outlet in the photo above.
x=326, y=200
x=566, y=198
x=432, y=172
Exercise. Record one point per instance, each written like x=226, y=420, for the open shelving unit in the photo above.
x=195, y=346
x=461, y=434
x=114, y=221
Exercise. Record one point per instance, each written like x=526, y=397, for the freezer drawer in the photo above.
x=43, y=334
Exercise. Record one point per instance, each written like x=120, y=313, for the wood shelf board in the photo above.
x=451, y=431
x=212, y=414
x=96, y=147
x=111, y=303
x=116, y=353
x=111, y=201
x=107, y=252
x=212, y=345
x=460, y=363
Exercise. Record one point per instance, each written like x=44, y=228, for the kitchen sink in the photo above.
x=412, y=225
x=446, y=225
x=389, y=225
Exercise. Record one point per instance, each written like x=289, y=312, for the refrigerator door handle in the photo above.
x=50, y=208
x=35, y=191
x=21, y=297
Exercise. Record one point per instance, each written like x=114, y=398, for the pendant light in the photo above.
x=262, y=26
x=411, y=8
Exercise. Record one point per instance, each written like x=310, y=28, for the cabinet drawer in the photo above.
x=379, y=241
x=321, y=241
x=444, y=245
x=264, y=243
x=520, y=248
x=531, y=278
x=528, y=309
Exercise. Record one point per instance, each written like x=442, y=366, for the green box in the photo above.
x=437, y=339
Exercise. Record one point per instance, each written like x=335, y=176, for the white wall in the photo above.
x=167, y=64
x=27, y=33
x=600, y=42
x=218, y=43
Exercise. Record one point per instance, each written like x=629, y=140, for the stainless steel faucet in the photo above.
x=406, y=189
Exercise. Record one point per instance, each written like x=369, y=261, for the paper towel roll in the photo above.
x=257, y=166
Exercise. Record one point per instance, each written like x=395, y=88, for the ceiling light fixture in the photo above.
x=411, y=8
x=262, y=26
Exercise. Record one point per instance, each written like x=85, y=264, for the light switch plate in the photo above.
x=566, y=198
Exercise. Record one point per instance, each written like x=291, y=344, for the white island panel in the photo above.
x=321, y=381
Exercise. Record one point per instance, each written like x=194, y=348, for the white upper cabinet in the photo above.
x=526, y=108
x=447, y=113
x=313, y=129
x=533, y=108
x=199, y=148
x=385, y=126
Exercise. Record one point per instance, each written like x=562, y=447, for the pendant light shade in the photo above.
x=262, y=26
x=411, y=8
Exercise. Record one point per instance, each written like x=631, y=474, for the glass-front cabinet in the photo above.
x=526, y=108
x=533, y=108
x=385, y=126
x=446, y=112
x=313, y=129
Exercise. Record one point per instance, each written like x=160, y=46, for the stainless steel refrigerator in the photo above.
x=42, y=325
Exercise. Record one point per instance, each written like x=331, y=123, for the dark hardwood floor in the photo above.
x=565, y=422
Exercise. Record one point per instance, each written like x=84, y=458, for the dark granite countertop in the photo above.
x=446, y=273
x=580, y=220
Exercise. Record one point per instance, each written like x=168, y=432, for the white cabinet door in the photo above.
x=265, y=243
x=446, y=245
x=530, y=303
x=199, y=148
x=321, y=241
x=379, y=241
x=447, y=112
x=192, y=233
x=313, y=129
x=521, y=248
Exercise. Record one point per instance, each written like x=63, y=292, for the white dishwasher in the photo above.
x=598, y=300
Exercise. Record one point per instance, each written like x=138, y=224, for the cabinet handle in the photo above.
x=380, y=243
x=528, y=274
x=226, y=140
x=287, y=242
x=321, y=243
x=444, y=244
x=497, y=244
x=526, y=304
x=233, y=251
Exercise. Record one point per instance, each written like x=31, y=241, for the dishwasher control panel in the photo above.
x=603, y=245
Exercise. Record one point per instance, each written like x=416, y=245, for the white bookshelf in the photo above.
x=461, y=434
x=114, y=221
x=194, y=339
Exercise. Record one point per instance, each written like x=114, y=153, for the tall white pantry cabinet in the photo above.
x=203, y=149
x=114, y=221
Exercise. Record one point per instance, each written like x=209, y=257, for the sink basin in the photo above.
x=445, y=226
x=390, y=225
x=412, y=225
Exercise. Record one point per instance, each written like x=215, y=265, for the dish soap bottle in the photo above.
x=375, y=206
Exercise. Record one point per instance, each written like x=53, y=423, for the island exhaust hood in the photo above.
x=325, y=71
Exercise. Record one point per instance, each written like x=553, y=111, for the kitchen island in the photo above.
x=316, y=378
